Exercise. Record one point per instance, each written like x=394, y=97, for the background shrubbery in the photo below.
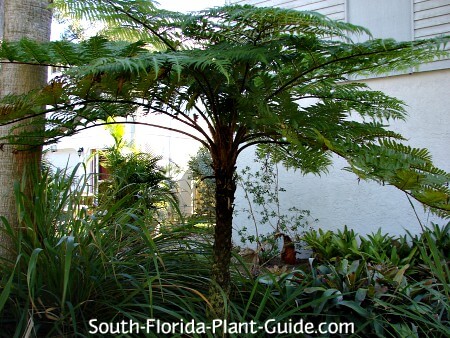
x=75, y=264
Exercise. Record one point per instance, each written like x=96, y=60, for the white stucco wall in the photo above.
x=338, y=198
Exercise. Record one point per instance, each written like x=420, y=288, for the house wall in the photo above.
x=64, y=154
x=339, y=198
x=63, y=158
x=335, y=9
x=431, y=17
x=185, y=192
x=426, y=18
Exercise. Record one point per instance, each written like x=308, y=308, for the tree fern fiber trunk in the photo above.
x=224, y=163
x=31, y=19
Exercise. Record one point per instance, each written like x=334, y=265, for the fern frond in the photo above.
x=408, y=169
x=267, y=22
x=265, y=76
x=131, y=20
x=66, y=52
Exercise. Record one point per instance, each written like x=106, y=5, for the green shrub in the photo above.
x=328, y=245
x=138, y=181
x=73, y=264
x=397, y=288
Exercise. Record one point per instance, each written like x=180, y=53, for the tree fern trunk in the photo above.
x=225, y=188
x=224, y=164
x=32, y=19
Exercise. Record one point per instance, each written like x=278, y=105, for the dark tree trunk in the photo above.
x=225, y=189
x=224, y=164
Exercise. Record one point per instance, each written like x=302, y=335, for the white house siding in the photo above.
x=338, y=198
x=384, y=18
x=335, y=9
x=431, y=17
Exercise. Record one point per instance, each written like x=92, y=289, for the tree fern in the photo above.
x=235, y=77
x=121, y=19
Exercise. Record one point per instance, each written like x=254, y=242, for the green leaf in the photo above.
x=400, y=274
x=360, y=295
x=4, y=296
x=70, y=245
x=31, y=272
x=355, y=307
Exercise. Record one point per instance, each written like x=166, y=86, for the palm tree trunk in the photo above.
x=31, y=19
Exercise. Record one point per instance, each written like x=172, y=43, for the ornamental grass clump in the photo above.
x=75, y=264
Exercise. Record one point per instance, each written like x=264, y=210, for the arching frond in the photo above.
x=408, y=169
x=247, y=24
x=131, y=20
x=233, y=77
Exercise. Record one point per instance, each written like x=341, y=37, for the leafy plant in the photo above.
x=382, y=248
x=138, y=177
x=396, y=288
x=328, y=245
x=231, y=89
x=202, y=172
x=379, y=299
x=74, y=265
x=440, y=235
x=264, y=210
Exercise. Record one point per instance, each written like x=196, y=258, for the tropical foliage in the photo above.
x=75, y=265
x=200, y=165
x=394, y=286
x=234, y=77
x=136, y=176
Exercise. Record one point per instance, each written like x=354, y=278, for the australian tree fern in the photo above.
x=234, y=77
